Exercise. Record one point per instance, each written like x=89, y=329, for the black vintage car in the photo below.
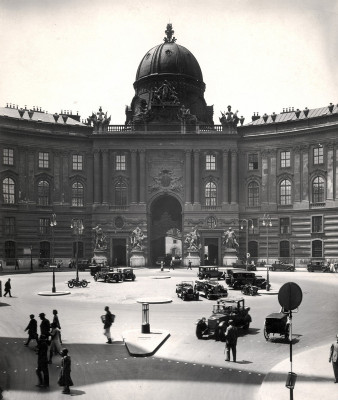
x=107, y=274
x=209, y=272
x=211, y=289
x=277, y=324
x=317, y=265
x=237, y=278
x=186, y=291
x=222, y=312
x=242, y=265
x=281, y=266
x=127, y=274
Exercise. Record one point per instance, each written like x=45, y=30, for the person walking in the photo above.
x=65, y=379
x=231, y=341
x=189, y=265
x=107, y=319
x=8, y=288
x=55, y=344
x=42, y=370
x=44, y=326
x=32, y=329
x=56, y=320
x=334, y=359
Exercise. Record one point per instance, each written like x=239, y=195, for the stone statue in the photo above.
x=229, y=118
x=100, y=239
x=185, y=115
x=230, y=239
x=165, y=94
x=137, y=238
x=192, y=239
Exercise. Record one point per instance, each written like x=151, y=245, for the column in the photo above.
x=297, y=175
x=97, y=197
x=133, y=176
x=330, y=164
x=305, y=174
x=196, y=176
x=142, y=175
x=265, y=177
x=272, y=176
x=89, y=168
x=225, y=173
x=188, y=176
x=105, y=184
x=234, y=177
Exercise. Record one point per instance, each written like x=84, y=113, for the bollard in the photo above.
x=0, y=288
x=145, y=318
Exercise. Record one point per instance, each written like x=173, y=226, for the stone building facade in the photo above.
x=168, y=169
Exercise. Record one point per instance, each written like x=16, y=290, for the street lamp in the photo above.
x=247, y=221
x=78, y=228
x=53, y=225
x=31, y=248
x=294, y=255
x=267, y=223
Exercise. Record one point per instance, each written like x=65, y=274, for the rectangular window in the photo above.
x=284, y=225
x=77, y=162
x=8, y=157
x=285, y=159
x=253, y=162
x=9, y=226
x=317, y=223
x=43, y=160
x=44, y=226
x=318, y=155
x=210, y=162
x=120, y=162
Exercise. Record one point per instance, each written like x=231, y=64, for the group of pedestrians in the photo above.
x=49, y=344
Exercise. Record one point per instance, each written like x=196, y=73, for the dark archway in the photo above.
x=165, y=216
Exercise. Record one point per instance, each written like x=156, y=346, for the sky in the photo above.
x=255, y=55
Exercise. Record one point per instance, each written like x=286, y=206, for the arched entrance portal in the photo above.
x=165, y=227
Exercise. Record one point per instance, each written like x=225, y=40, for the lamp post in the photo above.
x=267, y=223
x=246, y=237
x=31, y=248
x=53, y=225
x=294, y=255
x=78, y=228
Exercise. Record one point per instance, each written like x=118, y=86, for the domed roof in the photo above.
x=169, y=58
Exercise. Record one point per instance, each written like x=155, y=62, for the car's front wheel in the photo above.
x=70, y=284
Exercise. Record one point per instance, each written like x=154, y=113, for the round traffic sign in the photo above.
x=247, y=255
x=290, y=296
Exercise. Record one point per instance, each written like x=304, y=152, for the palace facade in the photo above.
x=169, y=170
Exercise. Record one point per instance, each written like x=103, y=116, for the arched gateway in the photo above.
x=165, y=227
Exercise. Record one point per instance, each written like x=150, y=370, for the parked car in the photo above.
x=107, y=274
x=211, y=289
x=209, y=272
x=222, y=312
x=277, y=324
x=238, y=278
x=186, y=291
x=127, y=274
x=316, y=265
x=281, y=266
x=242, y=265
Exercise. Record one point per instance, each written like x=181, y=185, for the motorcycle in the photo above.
x=249, y=290
x=77, y=283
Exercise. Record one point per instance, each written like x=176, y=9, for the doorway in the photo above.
x=210, y=251
x=119, y=256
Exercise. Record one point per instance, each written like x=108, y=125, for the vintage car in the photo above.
x=238, y=278
x=209, y=272
x=186, y=291
x=281, y=266
x=222, y=312
x=107, y=274
x=316, y=265
x=277, y=324
x=211, y=289
x=127, y=274
x=242, y=265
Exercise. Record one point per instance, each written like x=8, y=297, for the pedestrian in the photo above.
x=55, y=343
x=42, y=370
x=107, y=320
x=231, y=341
x=56, y=320
x=334, y=359
x=162, y=263
x=32, y=329
x=17, y=266
x=8, y=288
x=45, y=325
x=65, y=379
x=189, y=265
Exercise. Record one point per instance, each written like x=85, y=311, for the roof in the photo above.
x=38, y=116
x=295, y=115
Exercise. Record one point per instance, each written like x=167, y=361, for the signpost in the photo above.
x=290, y=296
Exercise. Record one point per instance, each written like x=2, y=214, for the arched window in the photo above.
x=8, y=190
x=120, y=193
x=43, y=193
x=77, y=194
x=285, y=192
x=253, y=194
x=317, y=248
x=10, y=249
x=284, y=248
x=318, y=190
x=210, y=194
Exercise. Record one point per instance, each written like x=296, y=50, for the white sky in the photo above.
x=256, y=55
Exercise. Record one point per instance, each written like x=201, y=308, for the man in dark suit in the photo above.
x=231, y=341
x=334, y=358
